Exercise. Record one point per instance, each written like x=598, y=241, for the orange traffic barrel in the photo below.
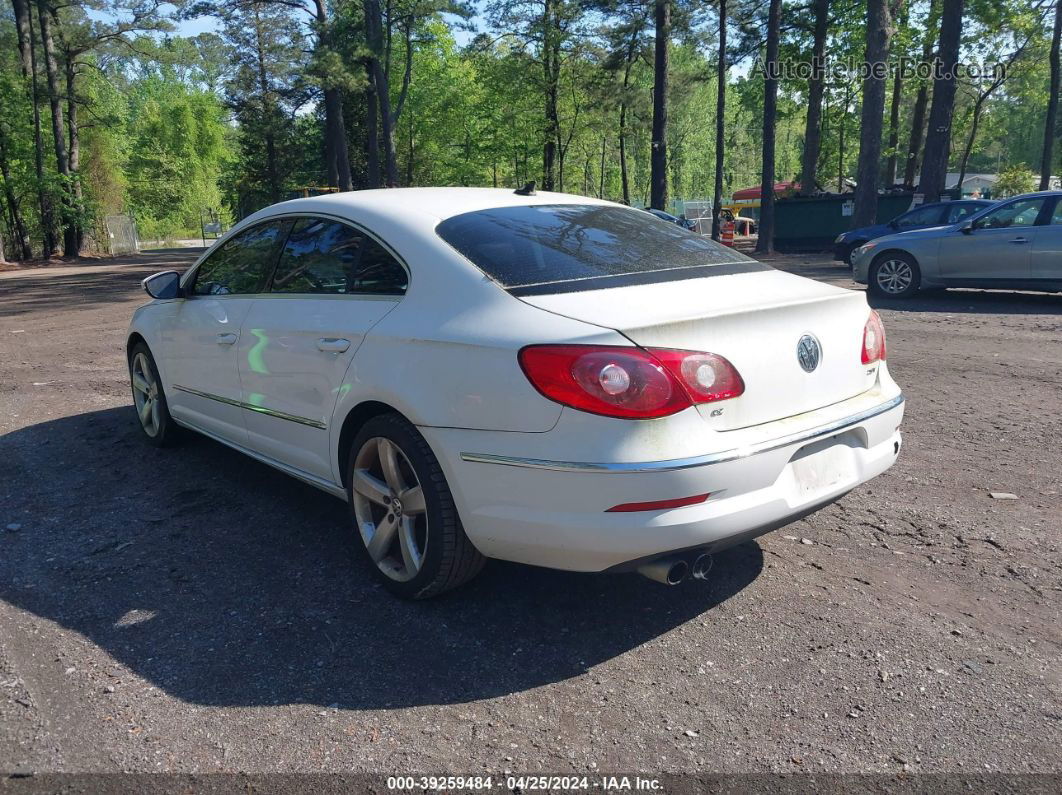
x=727, y=234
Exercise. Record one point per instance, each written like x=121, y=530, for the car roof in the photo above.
x=435, y=203
x=1034, y=195
x=985, y=202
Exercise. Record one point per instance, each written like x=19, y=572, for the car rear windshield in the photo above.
x=556, y=248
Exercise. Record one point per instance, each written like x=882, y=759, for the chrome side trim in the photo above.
x=312, y=480
x=280, y=415
x=675, y=464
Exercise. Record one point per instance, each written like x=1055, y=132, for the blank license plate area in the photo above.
x=823, y=466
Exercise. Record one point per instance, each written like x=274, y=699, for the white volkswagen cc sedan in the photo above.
x=542, y=378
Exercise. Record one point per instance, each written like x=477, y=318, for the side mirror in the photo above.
x=163, y=285
x=893, y=225
x=966, y=227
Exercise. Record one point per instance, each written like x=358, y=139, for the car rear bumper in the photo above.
x=554, y=513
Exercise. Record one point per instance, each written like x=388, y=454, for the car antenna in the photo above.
x=527, y=190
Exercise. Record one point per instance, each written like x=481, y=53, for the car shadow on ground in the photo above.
x=977, y=302
x=224, y=582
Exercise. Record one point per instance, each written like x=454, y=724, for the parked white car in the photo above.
x=547, y=379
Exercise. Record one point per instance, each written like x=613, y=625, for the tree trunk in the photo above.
x=268, y=108
x=1050, y=123
x=624, y=176
x=374, y=34
x=842, y=128
x=813, y=126
x=27, y=51
x=551, y=70
x=74, y=157
x=918, y=113
x=765, y=243
x=337, y=158
x=720, y=124
x=25, y=250
x=974, y=123
x=658, y=155
x=62, y=158
x=601, y=171
x=387, y=130
x=894, y=130
x=938, y=137
x=914, y=144
x=372, y=139
x=879, y=32
x=891, y=163
x=411, y=150
x=561, y=152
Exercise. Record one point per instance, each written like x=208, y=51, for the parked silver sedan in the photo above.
x=1014, y=245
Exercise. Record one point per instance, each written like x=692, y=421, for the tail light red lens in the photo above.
x=873, y=339
x=706, y=377
x=631, y=383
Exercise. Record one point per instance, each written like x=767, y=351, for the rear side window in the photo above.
x=924, y=216
x=960, y=211
x=568, y=247
x=323, y=256
x=242, y=264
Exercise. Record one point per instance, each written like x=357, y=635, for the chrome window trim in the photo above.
x=280, y=415
x=677, y=464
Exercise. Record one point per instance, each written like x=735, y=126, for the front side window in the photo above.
x=323, y=256
x=241, y=265
x=923, y=216
x=1020, y=213
x=555, y=248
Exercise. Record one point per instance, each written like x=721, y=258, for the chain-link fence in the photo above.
x=121, y=234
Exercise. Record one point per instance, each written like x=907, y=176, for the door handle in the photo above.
x=1020, y=240
x=332, y=344
x=227, y=339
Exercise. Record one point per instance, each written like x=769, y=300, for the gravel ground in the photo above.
x=191, y=610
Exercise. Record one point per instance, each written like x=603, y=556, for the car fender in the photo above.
x=451, y=376
x=145, y=323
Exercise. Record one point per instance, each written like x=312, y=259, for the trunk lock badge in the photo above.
x=809, y=353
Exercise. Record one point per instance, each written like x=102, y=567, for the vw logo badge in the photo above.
x=809, y=354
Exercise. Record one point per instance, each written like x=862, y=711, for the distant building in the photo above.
x=975, y=185
x=983, y=185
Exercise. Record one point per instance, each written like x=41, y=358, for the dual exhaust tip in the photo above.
x=673, y=570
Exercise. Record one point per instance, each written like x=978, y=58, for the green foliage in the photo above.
x=1015, y=180
x=177, y=147
x=233, y=119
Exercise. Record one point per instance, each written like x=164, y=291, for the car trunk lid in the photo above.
x=756, y=321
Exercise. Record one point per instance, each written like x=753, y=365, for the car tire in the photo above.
x=149, y=399
x=851, y=250
x=418, y=549
x=894, y=274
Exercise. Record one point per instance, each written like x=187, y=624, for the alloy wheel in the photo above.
x=894, y=276
x=389, y=508
x=145, y=394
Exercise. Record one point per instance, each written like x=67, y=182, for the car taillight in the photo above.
x=630, y=383
x=873, y=339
